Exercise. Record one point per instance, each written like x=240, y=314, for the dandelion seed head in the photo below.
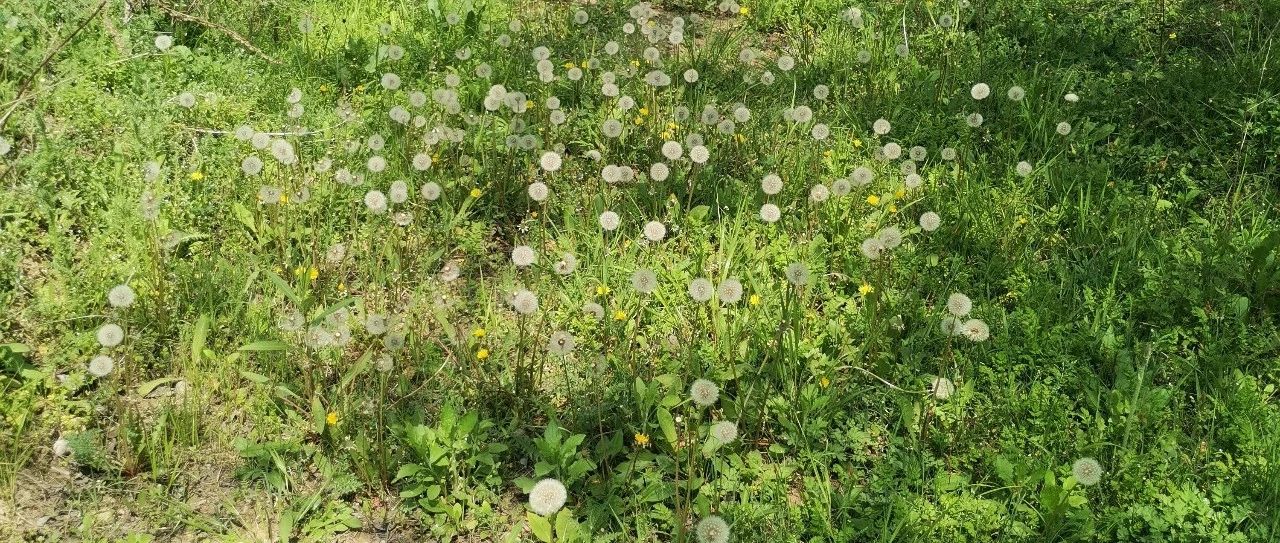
x=704, y=392
x=121, y=296
x=101, y=365
x=1087, y=471
x=523, y=256
x=712, y=529
x=929, y=221
x=110, y=335
x=547, y=496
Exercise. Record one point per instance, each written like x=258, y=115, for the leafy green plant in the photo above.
x=452, y=462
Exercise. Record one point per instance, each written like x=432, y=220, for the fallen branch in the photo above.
x=235, y=36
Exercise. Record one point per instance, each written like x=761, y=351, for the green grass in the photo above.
x=1130, y=281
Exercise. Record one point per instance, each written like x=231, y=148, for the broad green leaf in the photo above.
x=566, y=526
x=318, y=415
x=255, y=377
x=668, y=425
x=150, y=386
x=540, y=527
x=199, y=336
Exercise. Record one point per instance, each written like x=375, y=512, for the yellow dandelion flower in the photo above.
x=857, y=142
x=324, y=88
x=482, y=354
x=893, y=208
x=754, y=300
x=642, y=439
x=639, y=120
x=297, y=272
x=619, y=315
x=827, y=153
x=284, y=198
x=475, y=193
x=672, y=126
x=899, y=193
x=342, y=287
x=1022, y=220
x=866, y=289
x=313, y=273
x=635, y=63
x=873, y=200
x=824, y=382
x=644, y=111
x=744, y=10
x=478, y=333
x=583, y=65
x=568, y=65
x=196, y=176
x=601, y=290
x=332, y=418
x=740, y=137
x=666, y=135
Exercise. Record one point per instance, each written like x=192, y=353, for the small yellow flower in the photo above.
x=568, y=65
x=601, y=290
x=744, y=10
x=873, y=200
x=528, y=104
x=824, y=382
x=639, y=120
x=899, y=193
x=342, y=287
x=1173, y=35
x=475, y=193
x=619, y=315
x=478, y=333
x=866, y=289
x=196, y=176
x=324, y=88
x=827, y=153
x=298, y=271
x=583, y=65
x=534, y=214
x=642, y=439
x=482, y=354
x=672, y=126
x=1022, y=220
x=284, y=198
x=754, y=300
x=666, y=134
x=644, y=111
x=857, y=142
x=740, y=137
x=635, y=63
x=313, y=273
x=279, y=270
x=359, y=88
x=331, y=418
x=893, y=208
